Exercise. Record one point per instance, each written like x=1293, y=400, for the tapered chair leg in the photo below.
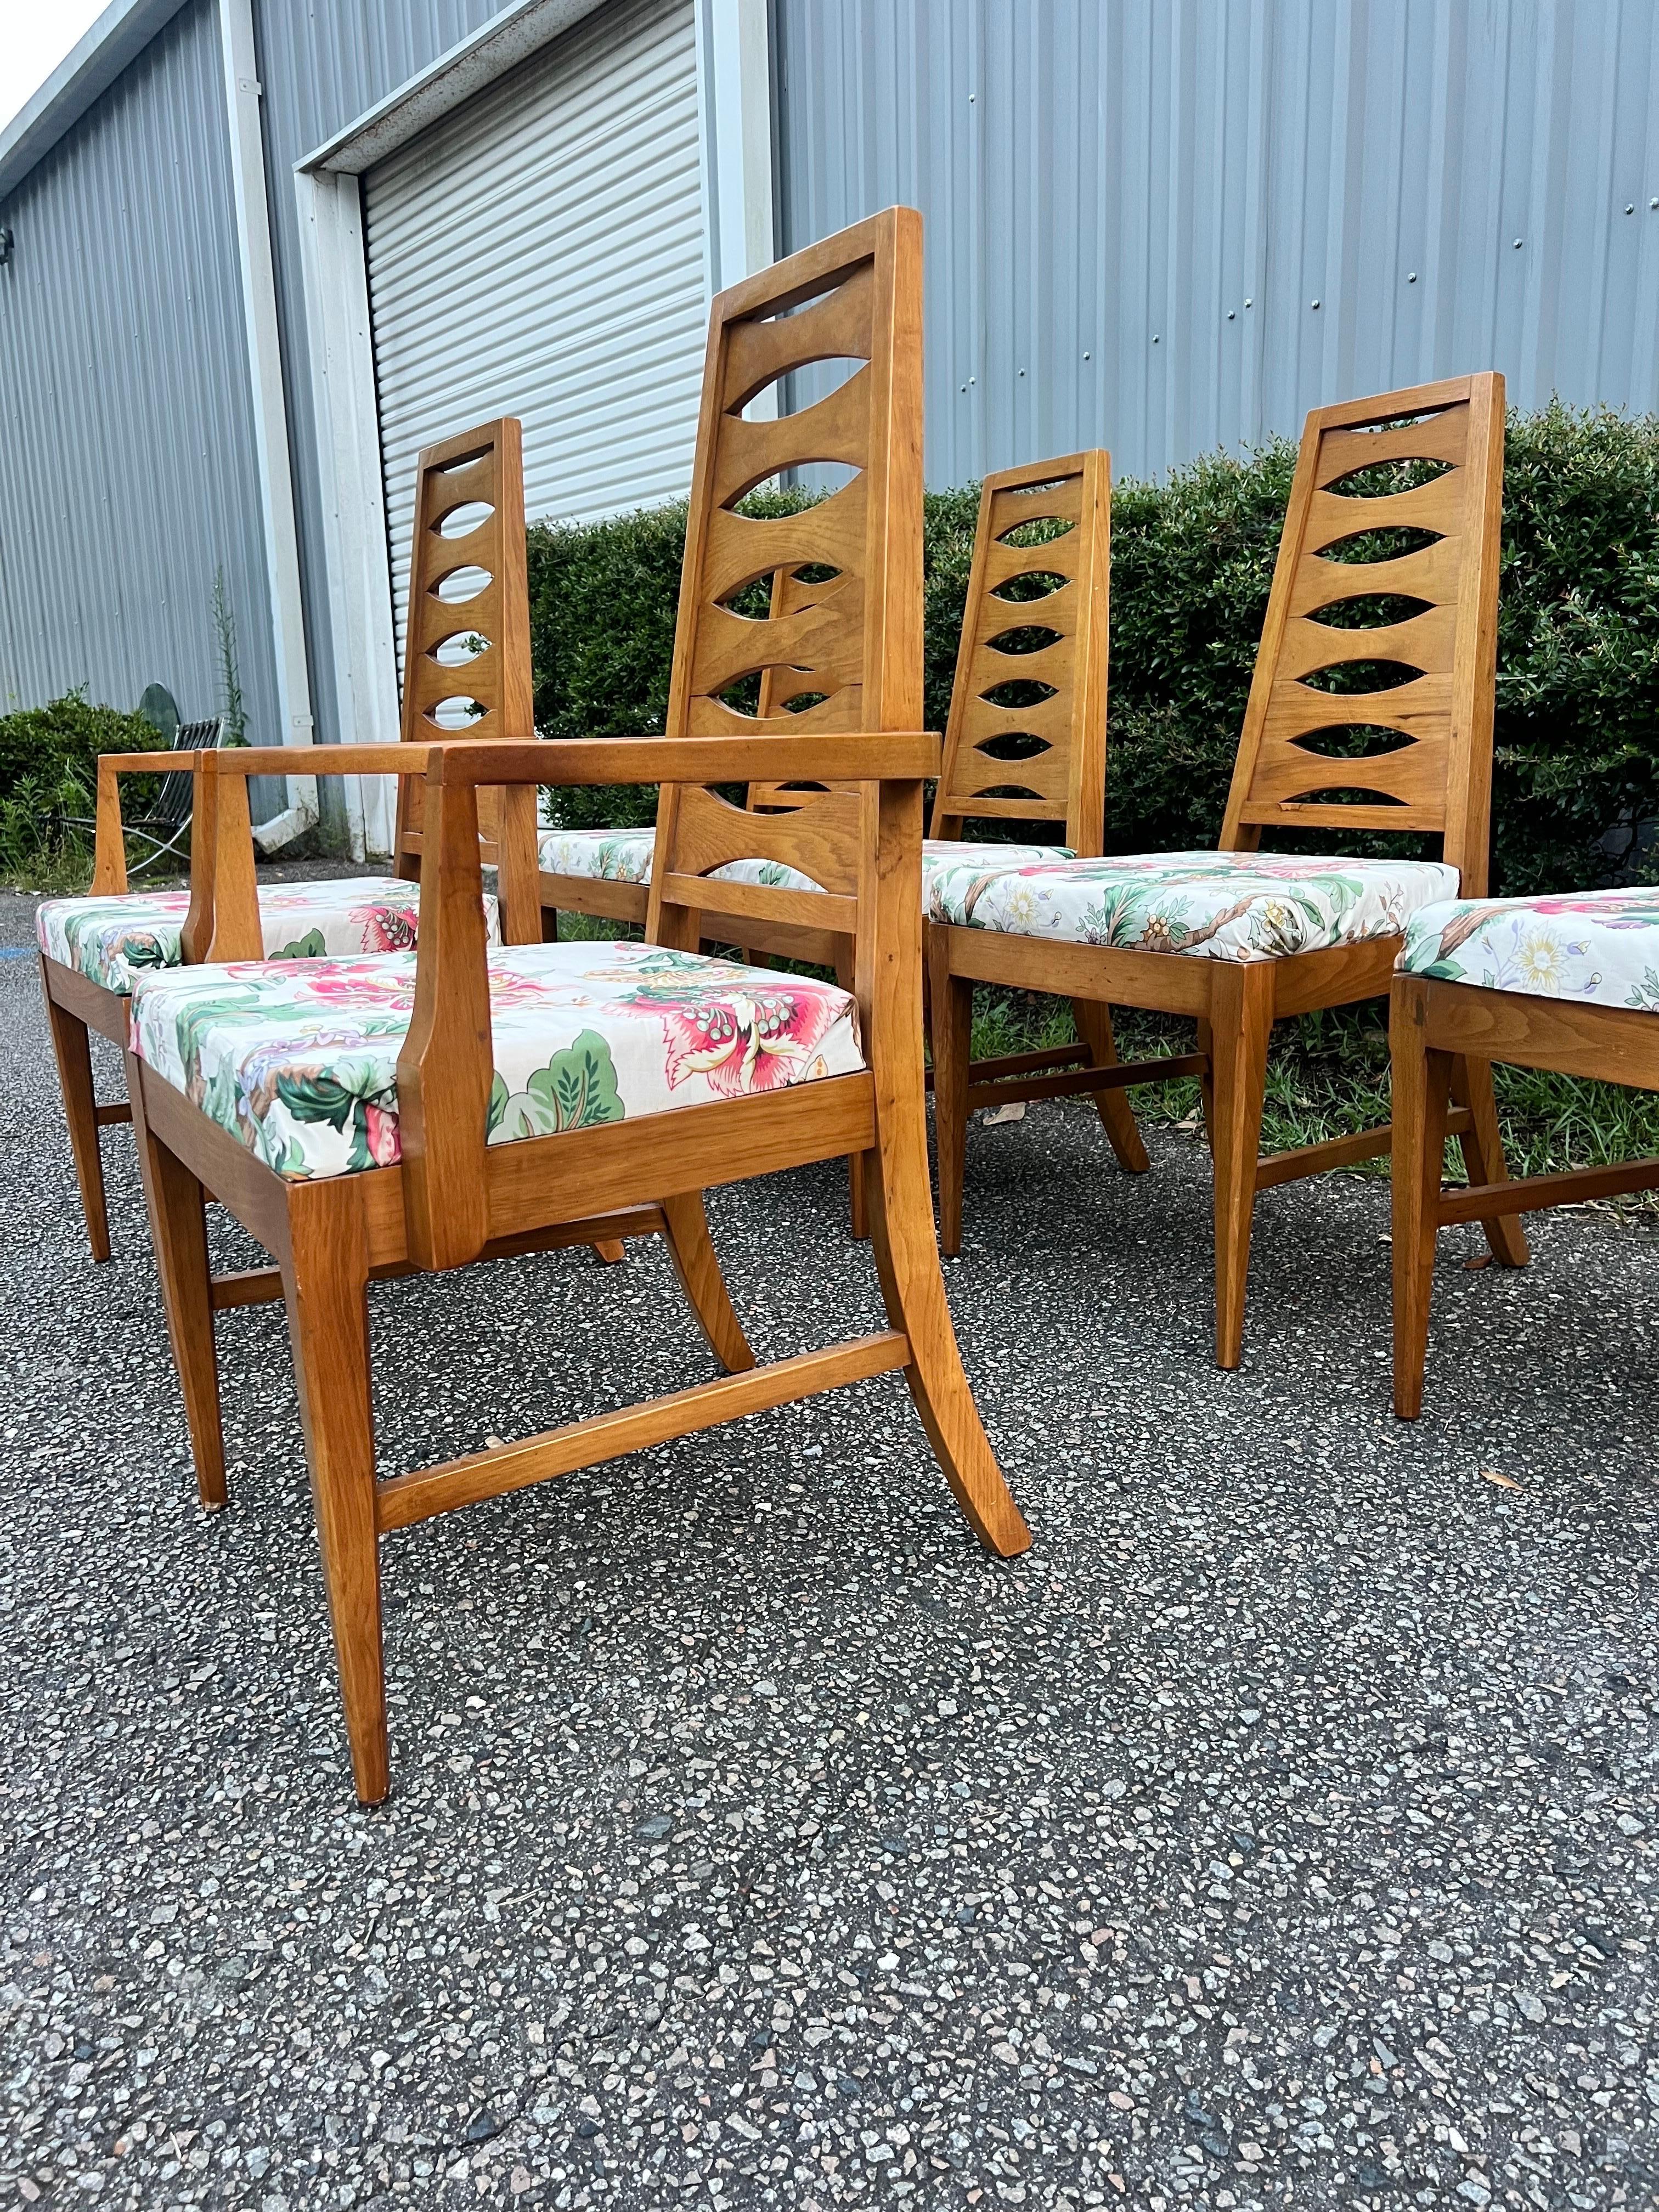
x=951, y=1015
x=178, y=1218
x=692, y=1250
x=1241, y=1022
x=1482, y=1148
x=907, y=1265
x=325, y=1278
x=1422, y=1086
x=73, y=1050
x=611, y=1250
x=1094, y=1026
x=895, y=1186
x=860, y=1226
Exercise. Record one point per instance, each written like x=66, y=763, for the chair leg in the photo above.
x=1483, y=1157
x=610, y=1250
x=1094, y=1026
x=325, y=1278
x=1241, y=1022
x=1422, y=1086
x=692, y=1250
x=907, y=1264
x=178, y=1218
x=73, y=1051
x=860, y=1226
x=951, y=1025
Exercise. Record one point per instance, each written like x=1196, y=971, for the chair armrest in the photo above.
x=857, y=757
x=396, y=759
x=109, y=856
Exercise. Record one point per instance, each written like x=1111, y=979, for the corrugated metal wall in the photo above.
x=127, y=470
x=1168, y=225
x=322, y=66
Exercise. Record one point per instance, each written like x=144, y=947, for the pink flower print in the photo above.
x=743, y=1041
x=385, y=929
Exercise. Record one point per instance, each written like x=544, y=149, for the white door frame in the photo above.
x=734, y=98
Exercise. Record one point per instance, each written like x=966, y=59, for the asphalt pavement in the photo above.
x=1281, y=1832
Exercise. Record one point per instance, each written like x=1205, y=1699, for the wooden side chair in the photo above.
x=1568, y=983
x=465, y=1104
x=1041, y=568
x=1239, y=939
x=91, y=948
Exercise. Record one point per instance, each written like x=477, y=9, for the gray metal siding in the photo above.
x=322, y=66
x=127, y=472
x=1106, y=183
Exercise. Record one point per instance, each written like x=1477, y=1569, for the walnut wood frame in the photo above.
x=454, y=1199
x=76, y=1006
x=1436, y=1027
x=1440, y=782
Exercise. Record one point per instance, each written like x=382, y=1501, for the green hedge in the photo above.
x=1577, y=726
x=48, y=748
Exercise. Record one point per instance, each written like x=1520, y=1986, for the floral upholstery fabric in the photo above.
x=1599, y=946
x=299, y=1061
x=113, y=940
x=624, y=856
x=1214, y=906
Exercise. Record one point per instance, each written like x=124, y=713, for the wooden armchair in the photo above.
x=484, y=1103
x=1569, y=983
x=1239, y=939
x=478, y=647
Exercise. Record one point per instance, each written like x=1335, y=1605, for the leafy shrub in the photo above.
x=43, y=744
x=48, y=770
x=1577, y=744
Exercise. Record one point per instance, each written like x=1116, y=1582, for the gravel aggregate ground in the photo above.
x=1281, y=1832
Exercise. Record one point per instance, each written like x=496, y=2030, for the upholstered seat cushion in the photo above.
x=624, y=856
x=299, y=1061
x=1216, y=906
x=1599, y=946
x=112, y=940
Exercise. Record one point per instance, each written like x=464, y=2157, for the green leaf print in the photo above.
x=576, y=1090
x=340, y=1102
x=311, y=946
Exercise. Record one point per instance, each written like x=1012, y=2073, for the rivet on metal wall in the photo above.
x=1630, y=209
x=1249, y=303
x=1410, y=276
x=1232, y=316
x=1519, y=243
x=1088, y=356
x=1154, y=337
x=1313, y=303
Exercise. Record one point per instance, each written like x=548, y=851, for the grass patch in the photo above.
x=1328, y=1076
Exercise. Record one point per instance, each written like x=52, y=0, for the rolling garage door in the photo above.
x=539, y=252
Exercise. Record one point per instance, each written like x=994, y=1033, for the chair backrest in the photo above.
x=472, y=653
x=1043, y=760
x=844, y=653
x=176, y=793
x=1297, y=764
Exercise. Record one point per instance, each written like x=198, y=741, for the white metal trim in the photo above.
x=350, y=482
x=281, y=542
x=734, y=92
x=466, y=67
